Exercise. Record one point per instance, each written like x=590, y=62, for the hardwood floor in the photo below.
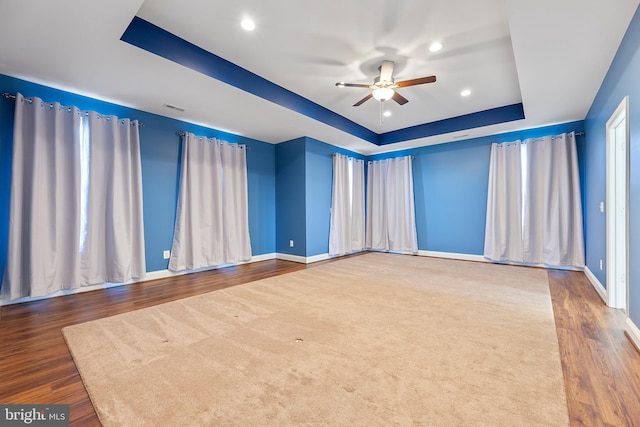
x=601, y=367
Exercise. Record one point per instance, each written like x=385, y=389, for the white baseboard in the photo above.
x=633, y=333
x=293, y=258
x=152, y=275
x=600, y=289
x=69, y=292
x=321, y=257
x=161, y=274
x=452, y=255
x=303, y=259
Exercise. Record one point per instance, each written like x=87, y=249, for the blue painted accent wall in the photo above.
x=154, y=39
x=304, y=176
x=160, y=151
x=291, y=221
x=451, y=185
x=508, y=113
x=621, y=80
x=290, y=183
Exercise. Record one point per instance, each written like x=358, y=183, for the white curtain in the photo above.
x=503, y=230
x=552, y=224
x=212, y=219
x=376, y=225
x=112, y=239
x=357, y=206
x=391, y=221
x=534, y=209
x=76, y=200
x=346, y=232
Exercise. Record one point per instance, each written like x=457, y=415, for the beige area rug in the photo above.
x=373, y=340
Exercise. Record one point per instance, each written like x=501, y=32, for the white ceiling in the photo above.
x=550, y=55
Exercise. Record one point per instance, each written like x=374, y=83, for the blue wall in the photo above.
x=304, y=176
x=450, y=186
x=290, y=198
x=621, y=80
x=160, y=150
x=290, y=183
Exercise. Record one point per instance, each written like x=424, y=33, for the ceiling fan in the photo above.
x=384, y=86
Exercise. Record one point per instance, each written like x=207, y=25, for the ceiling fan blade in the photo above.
x=386, y=71
x=399, y=98
x=340, y=84
x=366, y=98
x=418, y=81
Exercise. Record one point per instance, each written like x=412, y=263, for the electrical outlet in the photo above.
x=600, y=264
x=166, y=254
x=290, y=243
x=601, y=206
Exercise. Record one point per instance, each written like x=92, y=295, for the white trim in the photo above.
x=481, y=258
x=633, y=333
x=311, y=259
x=601, y=290
x=293, y=258
x=302, y=259
x=70, y=292
x=321, y=257
x=161, y=274
x=451, y=255
x=617, y=263
x=152, y=275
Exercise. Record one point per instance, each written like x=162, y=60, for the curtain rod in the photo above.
x=351, y=157
x=8, y=95
x=183, y=133
x=336, y=154
x=556, y=136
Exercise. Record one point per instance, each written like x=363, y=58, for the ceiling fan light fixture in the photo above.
x=383, y=93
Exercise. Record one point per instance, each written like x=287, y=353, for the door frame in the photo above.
x=617, y=197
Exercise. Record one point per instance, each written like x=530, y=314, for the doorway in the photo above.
x=617, y=206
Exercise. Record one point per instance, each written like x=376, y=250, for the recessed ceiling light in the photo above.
x=248, y=24
x=435, y=46
x=387, y=113
x=465, y=92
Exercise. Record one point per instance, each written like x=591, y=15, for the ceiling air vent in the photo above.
x=461, y=136
x=173, y=107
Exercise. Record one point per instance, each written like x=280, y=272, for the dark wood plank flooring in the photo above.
x=601, y=367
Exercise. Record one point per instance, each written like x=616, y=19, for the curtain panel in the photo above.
x=534, y=208
x=503, y=230
x=391, y=221
x=552, y=217
x=212, y=219
x=75, y=216
x=347, y=228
